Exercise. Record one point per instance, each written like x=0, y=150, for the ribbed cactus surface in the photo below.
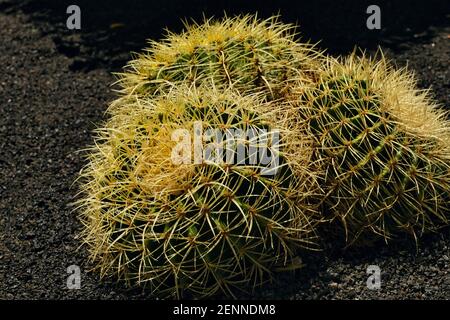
x=156, y=217
x=385, y=146
x=245, y=53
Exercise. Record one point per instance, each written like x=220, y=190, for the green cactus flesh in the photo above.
x=381, y=178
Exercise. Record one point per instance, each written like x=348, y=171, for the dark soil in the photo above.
x=49, y=108
x=111, y=29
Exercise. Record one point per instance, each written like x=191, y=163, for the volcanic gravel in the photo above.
x=47, y=115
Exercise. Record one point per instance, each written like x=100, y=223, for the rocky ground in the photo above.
x=48, y=110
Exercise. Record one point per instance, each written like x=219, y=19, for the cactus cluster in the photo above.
x=385, y=145
x=231, y=142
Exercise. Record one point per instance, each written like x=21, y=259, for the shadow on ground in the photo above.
x=113, y=28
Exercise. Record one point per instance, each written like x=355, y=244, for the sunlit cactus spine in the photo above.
x=243, y=52
x=155, y=217
x=386, y=149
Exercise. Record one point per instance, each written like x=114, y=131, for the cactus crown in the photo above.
x=194, y=228
x=413, y=109
x=386, y=146
x=242, y=52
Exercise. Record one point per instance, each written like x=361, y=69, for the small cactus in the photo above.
x=245, y=53
x=187, y=229
x=386, y=149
